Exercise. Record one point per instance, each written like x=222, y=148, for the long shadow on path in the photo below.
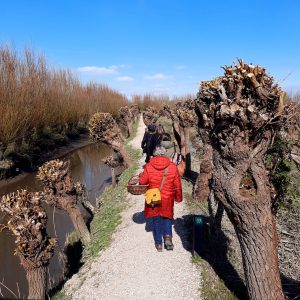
x=180, y=225
x=213, y=249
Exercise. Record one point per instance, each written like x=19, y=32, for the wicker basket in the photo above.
x=134, y=188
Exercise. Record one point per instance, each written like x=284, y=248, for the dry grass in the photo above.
x=157, y=101
x=32, y=95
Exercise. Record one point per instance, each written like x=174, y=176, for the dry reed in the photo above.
x=35, y=96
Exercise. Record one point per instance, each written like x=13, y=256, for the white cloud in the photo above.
x=180, y=67
x=157, y=76
x=125, y=78
x=98, y=70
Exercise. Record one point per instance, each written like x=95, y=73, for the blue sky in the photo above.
x=157, y=46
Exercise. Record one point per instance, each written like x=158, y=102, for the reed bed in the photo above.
x=34, y=96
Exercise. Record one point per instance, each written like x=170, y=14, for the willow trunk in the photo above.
x=129, y=126
x=121, y=149
x=79, y=224
x=253, y=221
x=37, y=282
x=186, y=133
x=203, y=181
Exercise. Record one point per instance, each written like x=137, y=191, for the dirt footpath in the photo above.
x=131, y=268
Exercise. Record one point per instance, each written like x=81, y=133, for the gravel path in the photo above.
x=131, y=268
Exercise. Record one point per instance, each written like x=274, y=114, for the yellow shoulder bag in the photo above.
x=153, y=196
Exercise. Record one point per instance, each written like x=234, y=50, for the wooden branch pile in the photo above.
x=150, y=115
x=28, y=222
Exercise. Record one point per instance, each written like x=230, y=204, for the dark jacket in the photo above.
x=171, y=190
x=149, y=142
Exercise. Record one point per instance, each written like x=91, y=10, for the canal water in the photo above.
x=86, y=167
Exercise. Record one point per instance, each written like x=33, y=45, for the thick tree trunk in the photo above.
x=218, y=217
x=186, y=132
x=258, y=239
x=176, y=132
x=182, y=142
x=76, y=217
x=79, y=224
x=253, y=222
x=124, y=154
x=203, y=181
x=37, y=283
x=129, y=126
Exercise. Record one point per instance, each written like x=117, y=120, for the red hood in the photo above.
x=160, y=162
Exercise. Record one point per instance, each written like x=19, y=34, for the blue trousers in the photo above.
x=161, y=226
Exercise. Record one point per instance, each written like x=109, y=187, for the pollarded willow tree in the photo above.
x=242, y=111
x=126, y=115
x=150, y=115
x=177, y=129
x=112, y=162
x=103, y=128
x=185, y=111
x=28, y=220
x=63, y=193
x=135, y=110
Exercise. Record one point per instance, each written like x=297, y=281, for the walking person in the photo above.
x=162, y=215
x=150, y=140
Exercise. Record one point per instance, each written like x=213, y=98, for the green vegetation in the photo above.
x=108, y=217
x=213, y=288
x=61, y=296
x=283, y=175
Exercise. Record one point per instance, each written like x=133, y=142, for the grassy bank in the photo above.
x=42, y=107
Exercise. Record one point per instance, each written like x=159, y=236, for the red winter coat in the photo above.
x=171, y=190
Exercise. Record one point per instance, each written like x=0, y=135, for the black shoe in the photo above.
x=158, y=247
x=168, y=242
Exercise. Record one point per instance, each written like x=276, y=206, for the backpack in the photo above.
x=153, y=196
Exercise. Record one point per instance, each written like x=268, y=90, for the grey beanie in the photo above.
x=159, y=151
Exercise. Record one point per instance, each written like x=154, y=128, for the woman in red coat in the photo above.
x=171, y=191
